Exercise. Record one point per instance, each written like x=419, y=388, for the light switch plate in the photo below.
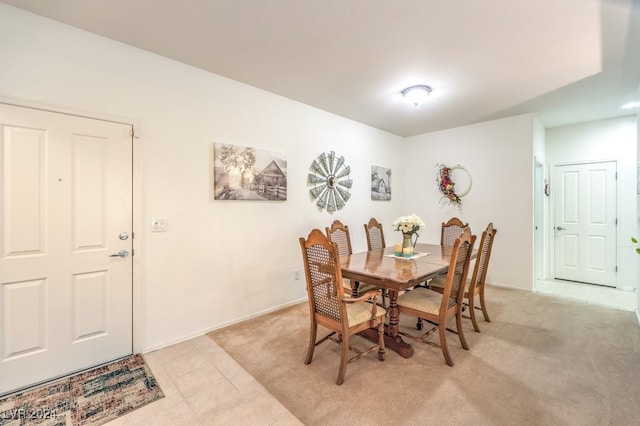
x=159, y=224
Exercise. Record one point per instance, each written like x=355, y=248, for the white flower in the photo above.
x=408, y=224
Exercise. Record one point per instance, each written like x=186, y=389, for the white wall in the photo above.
x=613, y=139
x=499, y=156
x=541, y=201
x=220, y=261
x=637, y=210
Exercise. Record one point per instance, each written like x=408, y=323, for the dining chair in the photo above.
x=476, y=284
x=339, y=233
x=375, y=234
x=451, y=230
x=435, y=307
x=375, y=240
x=329, y=307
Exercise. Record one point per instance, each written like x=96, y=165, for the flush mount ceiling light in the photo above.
x=631, y=105
x=416, y=94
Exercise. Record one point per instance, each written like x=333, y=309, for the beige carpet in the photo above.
x=541, y=361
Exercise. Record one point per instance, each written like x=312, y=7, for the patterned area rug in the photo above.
x=92, y=397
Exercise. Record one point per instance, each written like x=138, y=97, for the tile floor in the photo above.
x=203, y=385
x=592, y=294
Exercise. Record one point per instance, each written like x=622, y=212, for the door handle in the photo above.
x=121, y=253
x=560, y=228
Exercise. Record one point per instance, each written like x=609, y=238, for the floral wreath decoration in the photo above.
x=447, y=186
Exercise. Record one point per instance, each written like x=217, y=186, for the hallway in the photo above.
x=593, y=294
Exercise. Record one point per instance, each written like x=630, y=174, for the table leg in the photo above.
x=392, y=338
x=394, y=314
x=354, y=288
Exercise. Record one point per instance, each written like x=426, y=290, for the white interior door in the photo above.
x=66, y=191
x=585, y=223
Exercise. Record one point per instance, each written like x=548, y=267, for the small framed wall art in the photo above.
x=380, y=183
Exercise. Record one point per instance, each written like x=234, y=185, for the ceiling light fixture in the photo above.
x=631, y=105
x=416, y=94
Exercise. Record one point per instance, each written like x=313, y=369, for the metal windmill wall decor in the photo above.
x=329, y=178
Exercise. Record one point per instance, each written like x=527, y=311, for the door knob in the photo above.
x=560, y=228
x=121, y=253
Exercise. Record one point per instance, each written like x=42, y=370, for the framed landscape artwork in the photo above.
x=380, y=183
x=245, y=173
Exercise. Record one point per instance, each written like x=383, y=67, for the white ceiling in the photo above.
x=568, y=61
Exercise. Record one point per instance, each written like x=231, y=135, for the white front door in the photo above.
x=585, y=222
x=66, y=191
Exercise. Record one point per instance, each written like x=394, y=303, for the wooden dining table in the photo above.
x=381, y=268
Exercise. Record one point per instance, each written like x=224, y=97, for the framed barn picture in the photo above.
x=380, y=183
x=246, y=173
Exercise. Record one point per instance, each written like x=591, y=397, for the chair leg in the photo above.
x=472, y=313
x=381, y=351
x=312, y=341
x=463, y=340
x=483, y=306
x=442, y=330
x=343, y=360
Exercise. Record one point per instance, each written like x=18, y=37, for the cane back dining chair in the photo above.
x=339, y=233
x=375, y=234
x=475, y=285
x=435, y=307
x=330, y=308
x=375, y=240
x=451, y=230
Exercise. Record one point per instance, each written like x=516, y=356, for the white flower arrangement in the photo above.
x=408, y=224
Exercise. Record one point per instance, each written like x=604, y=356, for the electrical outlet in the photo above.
x=296, y=274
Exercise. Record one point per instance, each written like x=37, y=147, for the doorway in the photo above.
x=584, y=226
x=66, y=246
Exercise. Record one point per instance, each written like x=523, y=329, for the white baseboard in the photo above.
x=219, y=326
x=509, y=287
